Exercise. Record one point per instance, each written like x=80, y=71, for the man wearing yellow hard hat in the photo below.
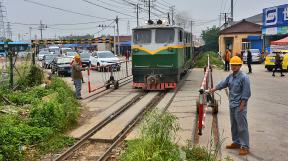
x=239, y=93
x=77, y=75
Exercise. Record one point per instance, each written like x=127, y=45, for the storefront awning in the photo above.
x=280, y=42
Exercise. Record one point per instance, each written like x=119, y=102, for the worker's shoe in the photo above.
x=244, y=151
x=233, y=146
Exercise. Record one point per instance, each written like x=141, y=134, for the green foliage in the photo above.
x=33, y=78
x=55, y=143
x=198, y=153
x=156, y=140
x=210, y=36
x=15, y=134
x=41, y=128
x=202, y=60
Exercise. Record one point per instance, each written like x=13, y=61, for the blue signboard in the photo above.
x=275, y=16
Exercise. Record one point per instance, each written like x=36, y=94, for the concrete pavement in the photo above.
x=267, y=116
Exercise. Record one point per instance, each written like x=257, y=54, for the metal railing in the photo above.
x=108, y=75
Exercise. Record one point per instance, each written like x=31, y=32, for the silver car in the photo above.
x=256, y=56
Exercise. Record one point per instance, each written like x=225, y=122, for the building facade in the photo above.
x=275, y=24
x=240, y=36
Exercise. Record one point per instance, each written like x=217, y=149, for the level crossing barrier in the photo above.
x=206, y=99
x=109, y=75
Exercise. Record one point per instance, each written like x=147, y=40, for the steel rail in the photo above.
x=98, y=127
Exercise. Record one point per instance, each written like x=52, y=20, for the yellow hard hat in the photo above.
x=77, y=56
x=236, y=60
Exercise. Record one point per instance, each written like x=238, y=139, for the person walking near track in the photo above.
x=227, y=60
x=239, y=93
x=249, y=61
x=278, y=64
x=77, y=75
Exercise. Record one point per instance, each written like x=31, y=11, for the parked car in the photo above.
x=256, y=56
x=42, y=54
x=100, y=59
x=85, y=59
x=61, y=66
x=65, y=50
x=2, y=53
x=47, y=60
x=71, y=54
x=22, y=54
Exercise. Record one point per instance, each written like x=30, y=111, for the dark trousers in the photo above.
x=276, y=67
x=249, y=66
x=227, y=65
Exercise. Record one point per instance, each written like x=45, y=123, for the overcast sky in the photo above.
x=204, y=12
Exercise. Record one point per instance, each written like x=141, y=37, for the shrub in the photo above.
x=215, y=61
x=156, y=140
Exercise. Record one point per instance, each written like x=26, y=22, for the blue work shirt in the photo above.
x=239, y=88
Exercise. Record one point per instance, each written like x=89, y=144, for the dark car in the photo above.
x=47, y=60
x=61, y=66
x=85, y=59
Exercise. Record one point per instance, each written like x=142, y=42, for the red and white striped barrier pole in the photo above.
x=89, y=82
x=202, y=99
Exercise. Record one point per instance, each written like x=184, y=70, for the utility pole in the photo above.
x=128, y=28
x=225, y=18
x=172, y=9
x=137, y=12
x=118, y=39
x=168, y=17
x=30, y=33
x=2, y=25
x=149, y=6
x=114, y=40
x=192, y=38
x=232, y=10
x=41, y=28
x=9, y=31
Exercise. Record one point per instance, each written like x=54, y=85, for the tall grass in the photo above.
x=202, y=60
x=156, y=140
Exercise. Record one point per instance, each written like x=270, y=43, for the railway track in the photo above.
x=148, y=99
x=101, y=137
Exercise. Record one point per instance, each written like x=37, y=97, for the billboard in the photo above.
x=275, y=16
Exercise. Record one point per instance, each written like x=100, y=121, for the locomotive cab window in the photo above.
x=164, y=35
x=142, y=36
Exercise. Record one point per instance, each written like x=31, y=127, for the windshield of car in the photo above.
x=49, y=57
x=106, y=55
x=164, y=35
x=64, y=60
x=71, y=53
x=44, y=53
x=142, y=36
x=254, y=51
x=85, y=55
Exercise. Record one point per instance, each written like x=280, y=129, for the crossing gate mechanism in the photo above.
x=206, y=99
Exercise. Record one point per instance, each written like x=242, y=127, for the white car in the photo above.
x=102, y=59
x=42, y=53
x=70, y=54
x=256, y=56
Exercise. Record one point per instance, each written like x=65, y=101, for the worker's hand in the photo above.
x=242, y=105
x=212, y=90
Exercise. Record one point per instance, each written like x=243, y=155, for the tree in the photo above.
x=210, y=36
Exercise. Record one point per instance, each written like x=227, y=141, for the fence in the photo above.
x=107, y=75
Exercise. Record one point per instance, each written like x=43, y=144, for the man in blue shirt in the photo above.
x=239, y=93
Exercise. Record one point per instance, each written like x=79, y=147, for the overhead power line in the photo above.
x=65, y=10
x=109, y=9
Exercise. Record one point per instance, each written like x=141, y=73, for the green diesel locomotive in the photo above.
x=161, y=55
